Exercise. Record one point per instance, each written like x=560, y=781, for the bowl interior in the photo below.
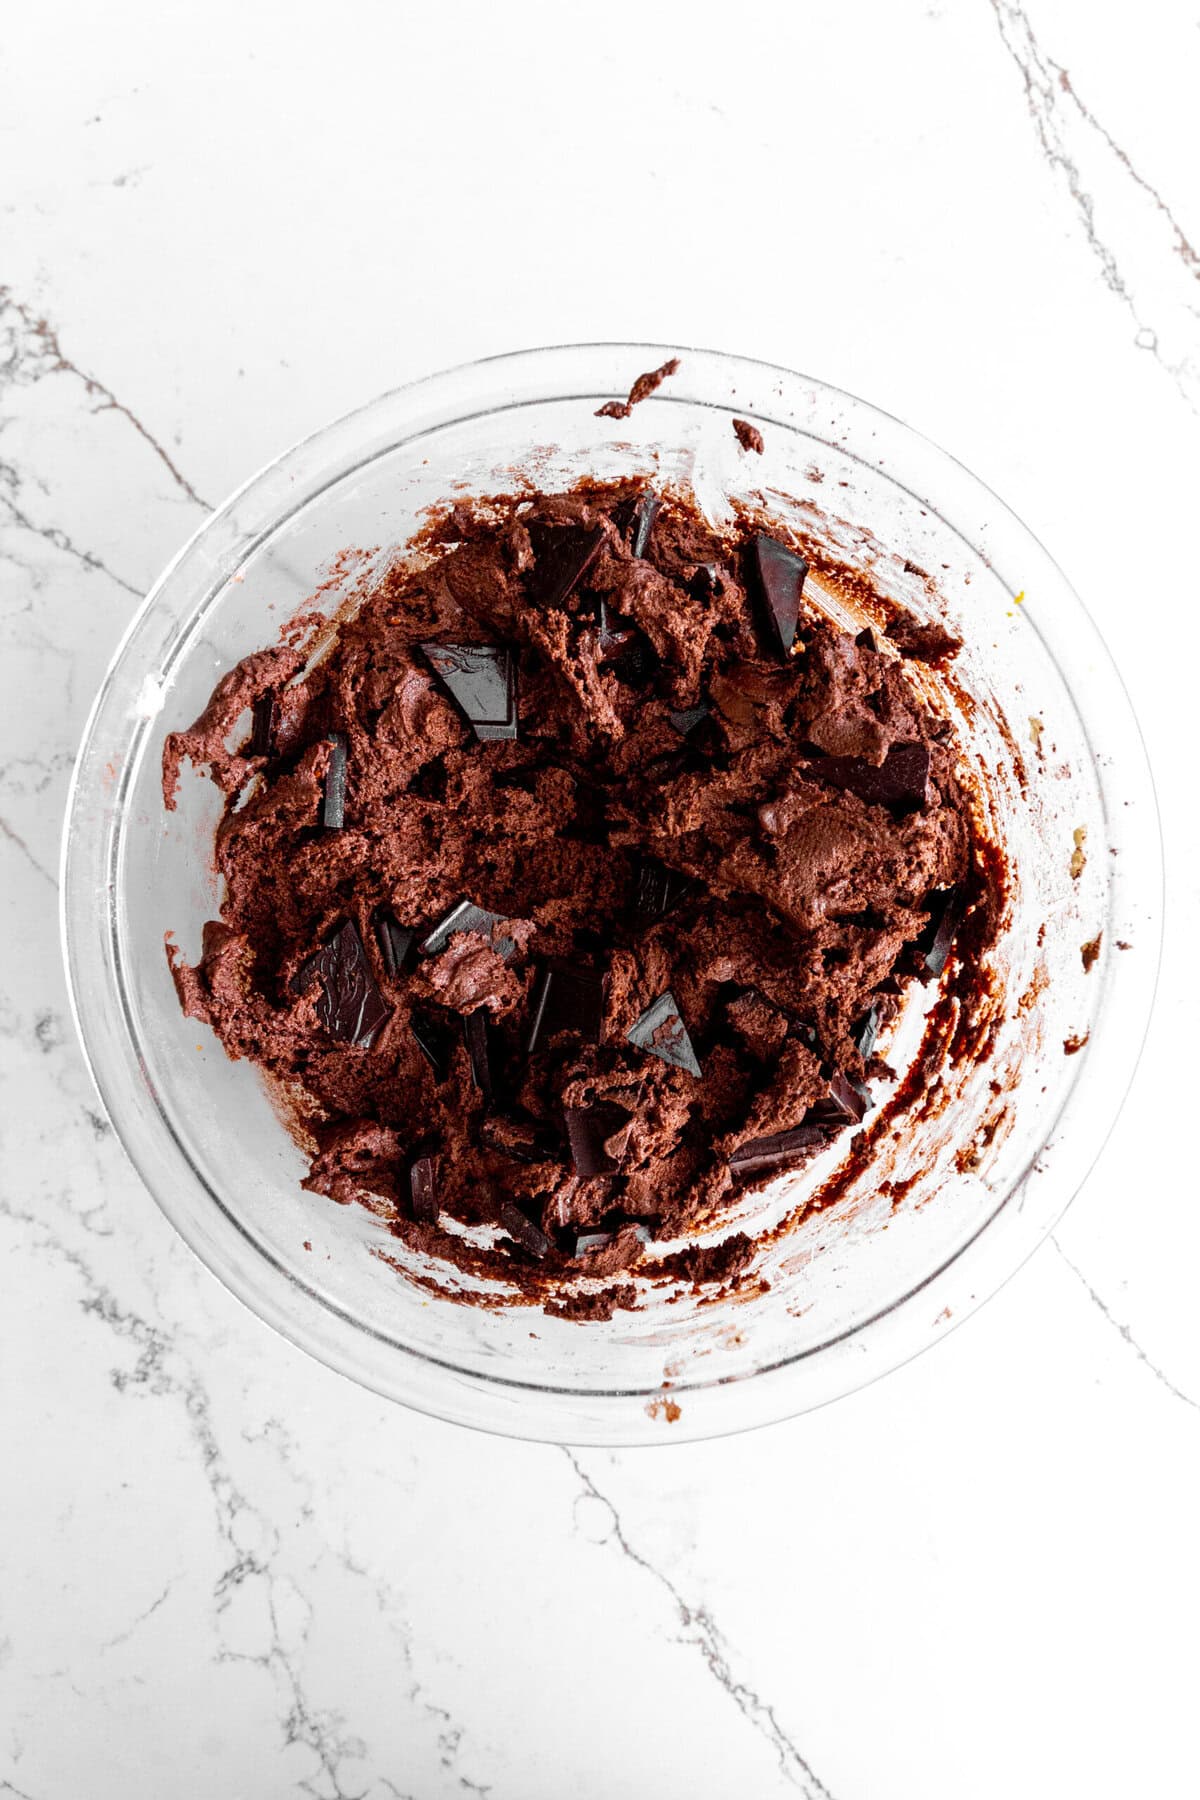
x=844, y=1293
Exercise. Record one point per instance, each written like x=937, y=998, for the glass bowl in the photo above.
x=961, y=1186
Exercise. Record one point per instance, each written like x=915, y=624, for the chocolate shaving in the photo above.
x=598, y=1136
x=635, y=518
x=333, y=806
x=624, y=646
x=566, y=999
x=432, y=1039
x=522, y=1229
x=866, y=1031
x=397, y=943
x=661, y=1031
x=466, y=916
x=587, y=1243
x=947, y=908
x=481, y=679
x=845, y=1104
x=480, y=1042
x=349, y=1006
x=901, y=780
x=616, y=636
x=264, y=718
x=422, y=1187
x=641, y=390
x=758, y=1155
x=658, y=890
x=776, y=580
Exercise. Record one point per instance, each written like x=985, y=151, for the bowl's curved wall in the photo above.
x=978, y=1170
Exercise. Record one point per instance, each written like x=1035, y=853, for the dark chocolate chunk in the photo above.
x=705, y=582
x=635, y=517
x=695, y=725
x=901, y=780
x=262, y=730
x=481, y=1049
x=662, y=1032
x=333, y=806
x=598, y=1136
x=397, y=943
x=616, y=636
x=947, y=908
x=522, y=1229
x=587, y=1243
x=481, y=679
x=863, y=1101
x=624, y=647
x=301, y=978
x=867, y=640
x=865, y=1032
x=349, y=1006
x=422, y=1187
x=845, y=1104
x=432, y=1039
x=643, y=523
x=525, y=1139
x=617, y=1142
x=563, y=554
x=776, y=581
x=466, y=916
x=758, y=1155
x=658, y=890
x=566, y=999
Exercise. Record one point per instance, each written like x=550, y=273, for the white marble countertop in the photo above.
x=223, y=1569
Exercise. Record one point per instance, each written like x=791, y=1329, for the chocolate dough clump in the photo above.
x=572, y=886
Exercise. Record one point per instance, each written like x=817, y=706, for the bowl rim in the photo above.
x=965, y=1279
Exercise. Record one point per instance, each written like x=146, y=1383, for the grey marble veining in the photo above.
x=1143, y=254
x=222, y=1568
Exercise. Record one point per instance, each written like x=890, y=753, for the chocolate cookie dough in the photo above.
x=572, y=887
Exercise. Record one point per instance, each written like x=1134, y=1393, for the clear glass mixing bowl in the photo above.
x=958, y=1193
